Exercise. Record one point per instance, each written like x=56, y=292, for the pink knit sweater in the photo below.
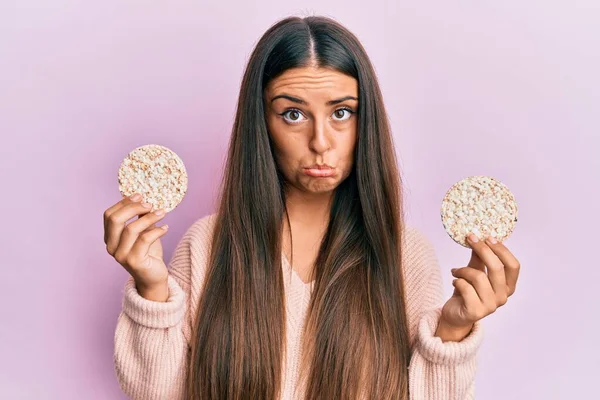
x=152, y=338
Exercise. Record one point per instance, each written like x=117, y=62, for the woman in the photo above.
x=351, y=307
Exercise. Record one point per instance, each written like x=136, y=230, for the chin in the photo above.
x=325, y=186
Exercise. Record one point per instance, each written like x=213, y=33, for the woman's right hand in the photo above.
x=136, y=246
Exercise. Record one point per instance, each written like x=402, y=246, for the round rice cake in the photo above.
x=155, y=172
x=479, y=204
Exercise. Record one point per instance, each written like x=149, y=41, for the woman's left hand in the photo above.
x=478, y=294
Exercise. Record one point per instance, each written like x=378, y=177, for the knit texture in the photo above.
x=152, y=339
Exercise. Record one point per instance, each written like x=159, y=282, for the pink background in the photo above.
x=507, y=88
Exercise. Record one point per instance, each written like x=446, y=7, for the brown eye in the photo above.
x=292, y=116
x=339, y=114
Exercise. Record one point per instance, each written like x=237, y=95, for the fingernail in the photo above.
x=473, y=238
x=146, y=205
x=164, y=227
x=159, y=212
x=492, y=240
x=136, y=197
x=453, y=270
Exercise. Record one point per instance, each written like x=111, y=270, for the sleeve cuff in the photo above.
x=154, y=314
x=449, y=353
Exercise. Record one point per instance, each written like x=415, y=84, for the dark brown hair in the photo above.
x=355, y=342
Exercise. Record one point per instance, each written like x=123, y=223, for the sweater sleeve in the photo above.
x=438, y=370
x=151, y=352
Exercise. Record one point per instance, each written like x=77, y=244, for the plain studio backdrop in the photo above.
x=508, y=89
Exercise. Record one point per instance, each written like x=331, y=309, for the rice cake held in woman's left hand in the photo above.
x=479, y=204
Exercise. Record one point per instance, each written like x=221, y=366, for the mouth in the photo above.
x=320, y=166
x=320, y=171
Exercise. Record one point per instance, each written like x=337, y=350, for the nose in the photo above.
x=320, y=141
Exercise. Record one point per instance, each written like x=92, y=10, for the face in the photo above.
x=311, y=116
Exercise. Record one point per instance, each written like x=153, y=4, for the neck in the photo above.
x=308, y=210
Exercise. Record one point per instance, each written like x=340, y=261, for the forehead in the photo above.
x=313, y=79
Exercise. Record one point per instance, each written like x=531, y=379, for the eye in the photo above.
x=337, y=113
x=294, y=113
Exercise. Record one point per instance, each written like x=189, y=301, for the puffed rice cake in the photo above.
x=479, y=204
x=155, y=172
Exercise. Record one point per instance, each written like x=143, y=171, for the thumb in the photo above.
x=476, y=262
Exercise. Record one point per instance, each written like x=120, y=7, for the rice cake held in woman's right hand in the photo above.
x=479, y=204
x=155, y=172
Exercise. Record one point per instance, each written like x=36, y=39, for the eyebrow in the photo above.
x=300, y=101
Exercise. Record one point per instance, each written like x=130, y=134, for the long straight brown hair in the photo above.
x=355, y=339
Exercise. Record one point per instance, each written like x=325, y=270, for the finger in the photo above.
x=472, y=303
x=132, y=231
x=114, y=208
x=123, y=202
x=149, y=228
x=479, y=280
x=511, y=264
x=495, y=269
x=116, y=223
x=476, y=262
x=141, y=247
